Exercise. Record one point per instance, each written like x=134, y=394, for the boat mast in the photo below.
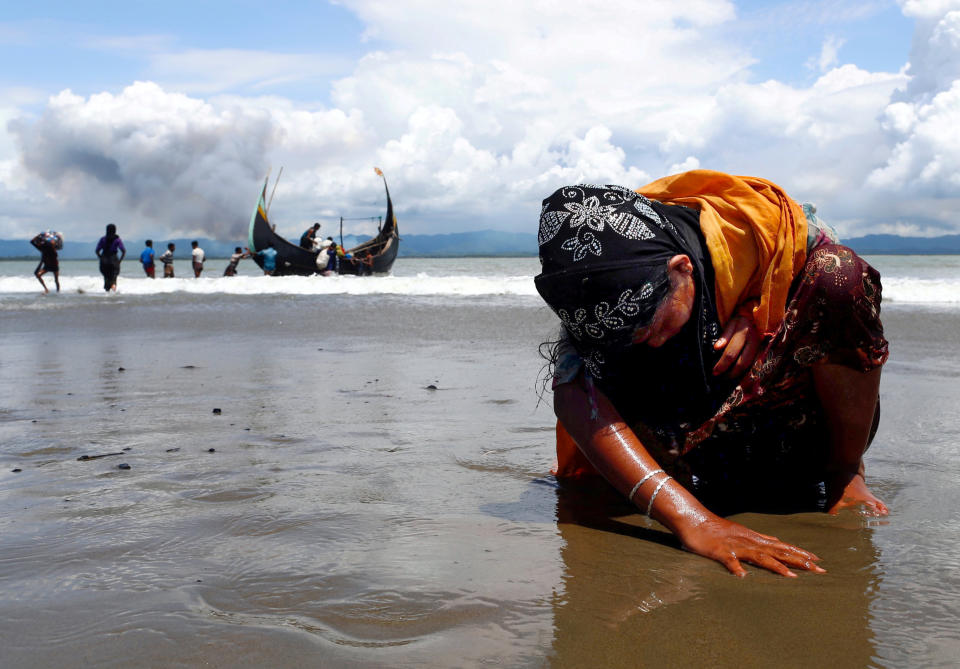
x=274, y=188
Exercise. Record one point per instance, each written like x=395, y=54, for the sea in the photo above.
x=263, y=471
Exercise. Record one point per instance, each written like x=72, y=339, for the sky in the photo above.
x=165, y=117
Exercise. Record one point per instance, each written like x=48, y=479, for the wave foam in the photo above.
x=895, y=289
x=421, y=284
x=921, y=291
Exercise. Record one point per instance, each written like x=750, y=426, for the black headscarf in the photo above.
x=604, y=252
x=109, y=238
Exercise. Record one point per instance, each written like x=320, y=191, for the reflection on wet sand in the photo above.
x=632, y=597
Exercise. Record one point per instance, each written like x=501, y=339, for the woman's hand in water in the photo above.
x=732, y=544
x=740, y=342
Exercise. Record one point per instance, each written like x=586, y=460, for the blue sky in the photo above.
x=164, y=117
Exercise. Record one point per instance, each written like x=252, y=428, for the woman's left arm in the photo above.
x=616, y=452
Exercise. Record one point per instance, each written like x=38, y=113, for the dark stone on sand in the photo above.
x=121, y=369
x=16, y=470
x=431, y=387
x=211, y=450
x=127, y=448
x=97, y=457
x=217, y=411
x=34, y=420
x=123, y=465
x=173, y=450
x=189, y=367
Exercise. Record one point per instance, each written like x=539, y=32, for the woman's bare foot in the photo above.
x=853, y=493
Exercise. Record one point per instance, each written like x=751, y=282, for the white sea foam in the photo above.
x=896, y=289
x=422, y=284
x=921, y=291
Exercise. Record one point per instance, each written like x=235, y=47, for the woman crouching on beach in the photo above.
x=720, y=351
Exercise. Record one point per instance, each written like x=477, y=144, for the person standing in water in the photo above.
x=167, y=259
x=146, y=259
x=269, y=256
x=47, y=244
x=198, y=258
x=238, y=255
x=107, y=249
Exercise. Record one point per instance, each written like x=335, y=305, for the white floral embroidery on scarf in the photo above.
x=550, y=224
x=594, y=361
x=588, y=213
x=607, y=319
x=580, y=247
x=589, y=216
x=630, y=227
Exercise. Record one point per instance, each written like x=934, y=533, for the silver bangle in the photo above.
x=642, y=481
x=654, y=495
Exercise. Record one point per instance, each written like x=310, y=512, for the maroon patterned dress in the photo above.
x=769, y=437
x=765, y=447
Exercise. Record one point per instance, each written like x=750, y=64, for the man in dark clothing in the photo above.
x=306, y=239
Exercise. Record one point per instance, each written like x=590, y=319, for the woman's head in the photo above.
x=111, y=230
x=614, y=270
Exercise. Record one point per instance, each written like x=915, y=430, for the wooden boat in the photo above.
x=374, y=256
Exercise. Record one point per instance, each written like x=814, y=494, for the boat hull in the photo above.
x=374, y=256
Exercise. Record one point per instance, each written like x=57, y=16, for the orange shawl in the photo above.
x=756, y=236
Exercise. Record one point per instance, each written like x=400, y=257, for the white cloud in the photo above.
x=165, y=158
x=904, y=229
x=926, y=160
x=477, y=110
x=928, y=9
x=214, y=70
x=923, y=123
x=690, y=163
x=829, y=53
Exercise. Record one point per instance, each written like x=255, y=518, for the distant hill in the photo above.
x=481, y=243
x=896, y=245
x=461, y=244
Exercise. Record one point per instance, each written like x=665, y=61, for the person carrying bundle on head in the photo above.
x=48, y=243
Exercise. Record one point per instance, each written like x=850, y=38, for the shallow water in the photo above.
x=351, y=516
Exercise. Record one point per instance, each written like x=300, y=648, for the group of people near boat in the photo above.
x=148, y=259
x=111, y=251
x=331, y=255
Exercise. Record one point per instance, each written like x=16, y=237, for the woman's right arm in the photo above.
x=616, y=452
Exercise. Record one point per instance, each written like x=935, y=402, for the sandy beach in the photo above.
x=338, y=511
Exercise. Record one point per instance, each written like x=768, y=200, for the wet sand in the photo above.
x=350, y=516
